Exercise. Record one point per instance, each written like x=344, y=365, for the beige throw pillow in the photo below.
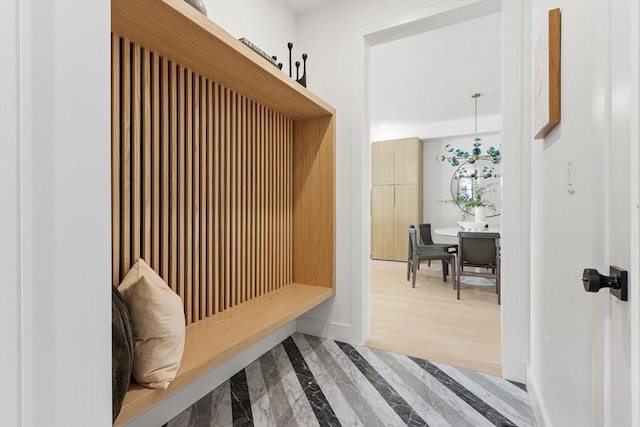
x=158, y=326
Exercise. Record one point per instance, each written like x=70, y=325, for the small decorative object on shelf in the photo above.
x=302, y=80
x=256, y=49
x=290, y=46
x=198, y=5
x=275, y=59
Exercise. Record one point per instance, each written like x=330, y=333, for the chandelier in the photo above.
x=456, y=157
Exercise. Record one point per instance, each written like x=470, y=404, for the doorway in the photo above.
x=511, y=309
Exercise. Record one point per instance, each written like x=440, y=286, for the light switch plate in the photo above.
x=571, y=175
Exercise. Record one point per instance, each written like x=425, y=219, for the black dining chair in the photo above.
x=479, y=256
x=422, y=253
x=426, y=239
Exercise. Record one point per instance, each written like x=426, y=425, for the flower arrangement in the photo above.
x=469, y=200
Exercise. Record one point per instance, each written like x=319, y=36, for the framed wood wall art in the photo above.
x=547, y=77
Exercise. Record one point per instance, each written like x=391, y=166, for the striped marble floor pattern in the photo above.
x=310, y=381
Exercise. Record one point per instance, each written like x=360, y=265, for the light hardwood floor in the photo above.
x=429, y=322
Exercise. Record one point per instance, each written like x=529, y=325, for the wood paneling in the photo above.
x=125, y=160
x=136, y=148
x=115, y=158
x=146, y=198
x=196, y=42
x=156, y=179
x=223, y=176
x=313, y=192
x=165, y=175
x=202, y=182
x=173, y=177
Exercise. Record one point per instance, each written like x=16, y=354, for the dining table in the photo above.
x=453, y=231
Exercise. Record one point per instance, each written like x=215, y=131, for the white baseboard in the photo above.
x=332, y=331
x=537, y=403
x=173, y=405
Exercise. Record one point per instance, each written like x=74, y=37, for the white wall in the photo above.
x=58, y=200
x=428, y=130
x=10, y=241
x=270, y=25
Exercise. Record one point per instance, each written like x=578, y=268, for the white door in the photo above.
x=616, y=214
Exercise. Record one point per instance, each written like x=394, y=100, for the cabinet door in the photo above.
x=382, y=163
x=407, y=158
x=406, y=212
x=382, y=222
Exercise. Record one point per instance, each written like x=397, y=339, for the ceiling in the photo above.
x=429, y=77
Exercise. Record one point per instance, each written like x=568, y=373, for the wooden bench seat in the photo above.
x=223, y=180
x=212, y=341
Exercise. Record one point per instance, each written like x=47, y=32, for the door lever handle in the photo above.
x=593, y=281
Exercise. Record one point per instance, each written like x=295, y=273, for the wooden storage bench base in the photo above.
x=212, y=341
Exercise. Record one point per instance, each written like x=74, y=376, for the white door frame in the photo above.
x=602, y=375
x=516, y=191
x=10, y=215
x=515, y=221
x=634, y=206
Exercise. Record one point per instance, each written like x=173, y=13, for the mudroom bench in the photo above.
x=223, y=181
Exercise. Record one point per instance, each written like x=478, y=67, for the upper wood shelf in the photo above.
x=182, y=34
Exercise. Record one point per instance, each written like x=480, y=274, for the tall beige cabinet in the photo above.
x=396, y=195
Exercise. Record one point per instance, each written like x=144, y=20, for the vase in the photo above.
x=198, y=5
x=480, y=213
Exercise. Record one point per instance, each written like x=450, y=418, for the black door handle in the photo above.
x=593, y=281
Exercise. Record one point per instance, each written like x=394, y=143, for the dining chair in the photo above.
x=426, y=239
x=422, y=253
x=479, y=256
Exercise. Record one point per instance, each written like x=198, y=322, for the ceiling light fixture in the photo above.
x=458, y=156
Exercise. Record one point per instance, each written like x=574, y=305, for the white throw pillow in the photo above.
x=158, y=326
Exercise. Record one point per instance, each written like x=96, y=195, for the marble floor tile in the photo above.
x=310, y=381
x=479, y=405
x=343, y=410
x=453, y=409
x=505, y=403
x=360, y=406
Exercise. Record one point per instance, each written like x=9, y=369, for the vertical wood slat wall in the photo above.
x=201, y=183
